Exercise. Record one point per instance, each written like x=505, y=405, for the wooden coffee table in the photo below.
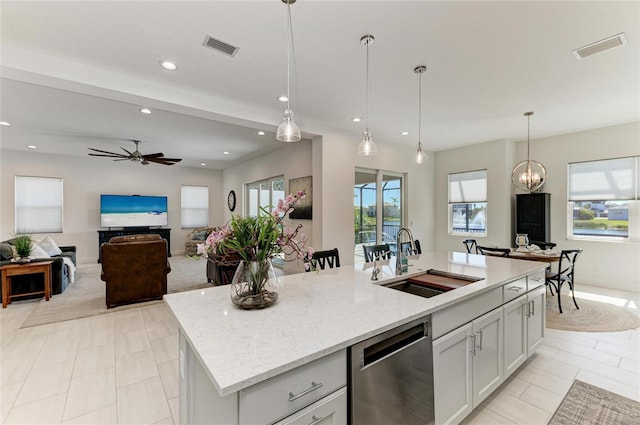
x=11, y=270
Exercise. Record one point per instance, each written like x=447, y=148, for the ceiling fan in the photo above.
x=136, y=156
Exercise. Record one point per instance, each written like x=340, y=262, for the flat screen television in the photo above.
x=133, y=211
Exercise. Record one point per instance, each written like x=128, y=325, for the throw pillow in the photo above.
x=50, y=246
x=200, y=236
x=5, y=251
x=38, y=252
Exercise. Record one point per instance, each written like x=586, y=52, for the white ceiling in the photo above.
x=74, y=74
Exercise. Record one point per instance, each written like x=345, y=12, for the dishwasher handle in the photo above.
x=390, y=346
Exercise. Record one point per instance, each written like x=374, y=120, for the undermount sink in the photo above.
x=432, y=283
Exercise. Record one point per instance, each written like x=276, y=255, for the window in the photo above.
x=468, y=203
x=603, y=199
x=194, y=204
x=263, y=194
x=38, y=204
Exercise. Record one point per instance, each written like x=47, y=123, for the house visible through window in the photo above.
x=468, y=203
x=602, y=198
x=38, y=204
x=194, y=204
x=263, y=194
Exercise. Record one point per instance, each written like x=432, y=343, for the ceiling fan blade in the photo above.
x=164, y=161
x=109, y=155
x=126, y=151
x=122, y=159
x=153, y=155
x=98, y=150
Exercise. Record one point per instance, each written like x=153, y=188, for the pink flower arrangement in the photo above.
x=260, y=238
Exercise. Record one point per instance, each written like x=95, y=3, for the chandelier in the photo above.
x=529, y=175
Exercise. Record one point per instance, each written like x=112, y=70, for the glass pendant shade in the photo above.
x=528, y=175
x=421, y=156
x=288, y=131
x=367, y=147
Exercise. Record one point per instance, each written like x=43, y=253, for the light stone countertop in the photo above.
x=318, y=314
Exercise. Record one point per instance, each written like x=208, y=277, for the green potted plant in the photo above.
x=22, y=243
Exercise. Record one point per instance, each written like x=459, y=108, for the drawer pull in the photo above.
x=316, y=420
x=314, y=386
x=514, y=288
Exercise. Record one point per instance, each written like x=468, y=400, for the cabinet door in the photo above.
x=536, y=319
x=452, y=376
x=487, y=348
x=515, y=334
x=331, y=410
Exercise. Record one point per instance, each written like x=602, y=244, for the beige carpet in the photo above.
x=593, y=316
x=585, y=404
x=86, y=296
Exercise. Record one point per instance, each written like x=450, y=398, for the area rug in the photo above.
x=585, y=404
x=593, y=316
x=86, y=296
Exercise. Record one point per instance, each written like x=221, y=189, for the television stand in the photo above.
x=105, y=235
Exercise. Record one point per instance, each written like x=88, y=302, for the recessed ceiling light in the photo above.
x=168, y=65
x=260, y=133
x=145, y=110
x=5, y=123
x=283, y=98
x=225, y=152
x=32, y=147
x=356, y=119
x=404, y=133
x=203, y=164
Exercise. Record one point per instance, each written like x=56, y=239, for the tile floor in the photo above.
x=122, y=368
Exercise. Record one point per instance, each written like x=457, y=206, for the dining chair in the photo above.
x=471, y=244
x=407, y=249
x=565, y=273
x=487, y=250
x=372, y=252
x=329, y=257
x=543, y=245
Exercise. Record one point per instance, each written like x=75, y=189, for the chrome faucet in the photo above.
x=399, y=250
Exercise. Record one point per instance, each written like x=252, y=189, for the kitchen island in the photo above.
x=232, y=361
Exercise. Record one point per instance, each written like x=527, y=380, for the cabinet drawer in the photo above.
x=513, y=290
x=464, y=312
x=535, y=280
x=331, y=410
x=285, y=394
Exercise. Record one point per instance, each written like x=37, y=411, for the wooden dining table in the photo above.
x=543, y=256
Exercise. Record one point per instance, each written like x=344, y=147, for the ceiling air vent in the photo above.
x=601, y=46
x=220, y=46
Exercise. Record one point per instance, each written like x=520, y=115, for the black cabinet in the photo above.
x=105, y=235
x=532, y=216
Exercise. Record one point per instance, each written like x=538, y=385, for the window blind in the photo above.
x=609, y=179
x=38, y=204
x=194, y=204
x=468, y=187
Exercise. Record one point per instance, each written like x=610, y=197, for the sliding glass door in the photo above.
x=378, y=209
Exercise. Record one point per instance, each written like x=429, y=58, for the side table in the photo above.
x=10, y=270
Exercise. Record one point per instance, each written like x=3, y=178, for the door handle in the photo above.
x=532, y=309
x=479, y=346
x=316, y=420
x=473, y=344
x=314, y=386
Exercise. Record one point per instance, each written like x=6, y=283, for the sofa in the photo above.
x=195, y=237
x=135, y=269
x=61, y=275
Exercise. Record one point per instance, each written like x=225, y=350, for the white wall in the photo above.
x=610, y=264
x=498, y=158
x=85, y=179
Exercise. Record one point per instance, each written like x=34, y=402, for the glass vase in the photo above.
x=254, y=284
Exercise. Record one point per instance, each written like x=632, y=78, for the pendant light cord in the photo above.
x=420, y=110
x=528, y=136
x=289, y=36
x=367, y=124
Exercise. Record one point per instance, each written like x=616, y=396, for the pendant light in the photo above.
x=421, y=156
x=288, y=131
x=529, y=175
x=366, y=146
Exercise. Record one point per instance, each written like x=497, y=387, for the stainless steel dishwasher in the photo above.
x=391, y=377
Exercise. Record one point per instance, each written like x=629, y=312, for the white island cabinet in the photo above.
x=287, y=364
